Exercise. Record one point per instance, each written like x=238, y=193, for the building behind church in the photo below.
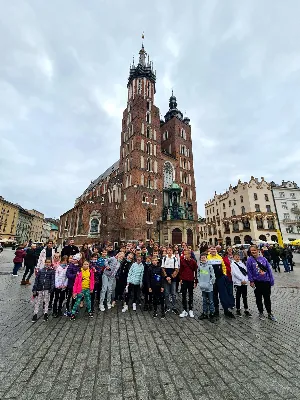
x=150, y=191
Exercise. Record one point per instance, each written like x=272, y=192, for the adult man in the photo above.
x=47, y=252
x=170, y=270
x=70, y=250
x=275, y=258
x=188, y=276
x=220, y=285
x=261, y=278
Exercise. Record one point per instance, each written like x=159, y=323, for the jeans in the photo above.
x=86, y=295
x=263, y=290
x=132, y=289
x=286, y=265
x=42, y=296
x=107, y=286
x=187, y=286
x=147, y=294
x=208, y=302
x=170, y=291
x=241, y=291
x=29, y=270
x=158, y=298
x=17, y=266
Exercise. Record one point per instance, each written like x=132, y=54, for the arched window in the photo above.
x=148, y=118
x=168, y=174
x=243, y=210
x=184, y=164
x=149, y=182
x=148, y=148
x=148, y=164
x=149, y=216
x=148, y=132
x=242, y=199
x=94, y=225
x=185, y=178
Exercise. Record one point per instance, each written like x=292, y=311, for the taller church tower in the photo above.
x=140, y=154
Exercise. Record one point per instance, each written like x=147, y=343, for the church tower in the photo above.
x=140, y=154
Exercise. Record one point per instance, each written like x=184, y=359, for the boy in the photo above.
x=43, y=286
x=188, y=277
x=240, y=280
x=112, y=265
x=155, y=284
x=134, y=283
x=206, y=280
x=147, y=294
x=95, y=264
x=170, y=270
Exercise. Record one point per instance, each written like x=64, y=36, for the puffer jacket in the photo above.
x=44, y=280
x=71, y=274
x=19, y=255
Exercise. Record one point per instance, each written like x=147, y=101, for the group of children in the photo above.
x=74, y=281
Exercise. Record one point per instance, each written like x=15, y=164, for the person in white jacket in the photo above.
x=240, y=281
x=61, y=283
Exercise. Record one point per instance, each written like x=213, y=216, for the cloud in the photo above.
x=234, y=67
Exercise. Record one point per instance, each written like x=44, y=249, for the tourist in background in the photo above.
x=20, y=254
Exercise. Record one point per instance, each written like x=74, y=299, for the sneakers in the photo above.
x=203, y=316
x=191, y=314
x=23, y=283
x=229, y=314
x=261, y=316
x=113, y=303
x=155, y=314
x=109, y=306
x=14, y=275
x=272, y=318
x=175, y=311
x=238, y=313
x=211, y=317
x=73, y=317
x=183, y=314
x=46, y=317
x=167, y=309
x=67, y=314
x=34, y=318
x=134, y=306
x=91, y=315
x=163, y=315
x=102, y=308
x=248, y=314
x=125, y=308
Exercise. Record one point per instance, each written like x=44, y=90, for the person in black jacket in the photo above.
x=156, y=287
x=121, y=277
x=70, y=250
x=30, y=262
x=43, y=286
x=147, y=294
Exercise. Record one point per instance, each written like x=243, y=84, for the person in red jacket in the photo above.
x=228, y=258
x=188, y=278
x=18, y=260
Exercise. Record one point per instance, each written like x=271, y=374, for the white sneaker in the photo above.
x=108, y=306
x=134, y=306
x=183, y=314
x=125, y=308
x=102, y=308
x=191, y=313
x=113, y=304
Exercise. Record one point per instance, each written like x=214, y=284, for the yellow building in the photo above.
x=36, y=233
x=9, y=214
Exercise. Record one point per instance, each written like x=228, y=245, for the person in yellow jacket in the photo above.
x=220, y=285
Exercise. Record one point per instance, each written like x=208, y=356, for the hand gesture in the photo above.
x=150, y=290
x=162, y=289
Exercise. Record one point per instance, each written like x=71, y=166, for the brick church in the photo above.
x=150, y=191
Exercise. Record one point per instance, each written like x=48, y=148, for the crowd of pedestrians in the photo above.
x=150, y=275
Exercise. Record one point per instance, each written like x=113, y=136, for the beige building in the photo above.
x=36, y=233
x=9, y=214
x=244, y=213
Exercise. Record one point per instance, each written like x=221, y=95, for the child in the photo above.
x=43, y=286
x=83, y=287
x=18, y=260
x=61, y=282
x=156, y=287
x=72, y=271
x=240, y=280
x=134, y=283
x=96, y=266
x=112, y=265
x=147, y=294
x=206, y=280
x=55, y=264
x=121, y=276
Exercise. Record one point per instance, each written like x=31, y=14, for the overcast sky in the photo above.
x=234, y=67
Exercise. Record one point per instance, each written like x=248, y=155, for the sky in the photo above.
x=234, y=67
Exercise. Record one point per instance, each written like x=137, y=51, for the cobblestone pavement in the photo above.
x=131, y=356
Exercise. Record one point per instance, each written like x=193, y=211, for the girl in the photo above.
x=134, y=283
x=43, y=286
x=83, y=287
x=61, y=282
x=72, y=271
x=55, y=264
x=18, y=260
x=240, y=280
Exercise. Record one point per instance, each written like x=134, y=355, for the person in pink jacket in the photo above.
x=18, y=260
x=83, y=287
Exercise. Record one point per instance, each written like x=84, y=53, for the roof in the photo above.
x=54, y=227
x=109, y=171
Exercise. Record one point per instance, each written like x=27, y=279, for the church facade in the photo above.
x=150, y=191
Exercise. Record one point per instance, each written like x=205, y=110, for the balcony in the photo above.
x=291, y=221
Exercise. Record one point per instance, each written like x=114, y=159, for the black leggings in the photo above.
x=241, y=291
x=187, y=286
x=263, y=290
x=135, y=289
x=59, y=297
x=158, y=298
x=69, y=296
x=29, y=270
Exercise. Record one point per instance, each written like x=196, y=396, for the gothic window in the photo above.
x=168, y=174
x=148, y=89
x=148, y=118
x=148, y=148
x=148, y=164
x=148, y=132
x=149, y=182
x=148, y=105
x=185, y=178
x=140, y=86
x=184, y=164
x=149, y=215
x=94, y=225
x=80, y=223
x=142, y=180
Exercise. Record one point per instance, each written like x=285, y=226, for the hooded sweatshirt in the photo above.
x=217, y=264
x=135, y=274
x=206, y=277
x=61, y=279
x=255, y=273
x=237, y=269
